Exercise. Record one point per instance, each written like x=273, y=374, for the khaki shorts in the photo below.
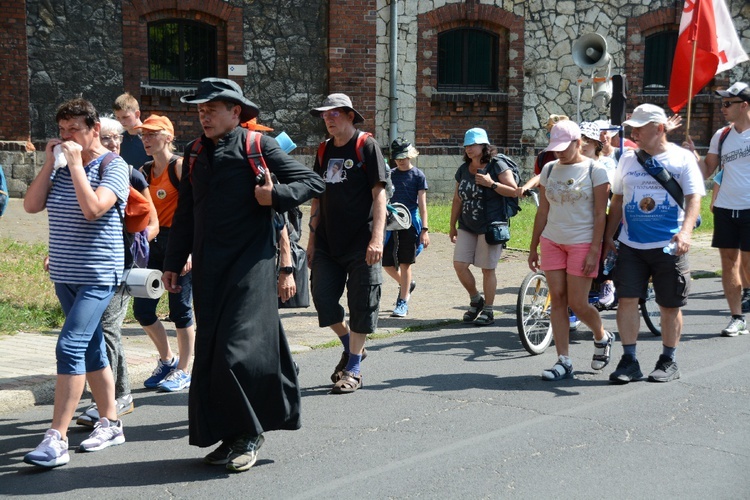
x=473, y=248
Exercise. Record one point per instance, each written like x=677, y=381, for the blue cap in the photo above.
x=285, y=142
x=475, y=136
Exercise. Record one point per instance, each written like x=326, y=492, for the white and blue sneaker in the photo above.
x=160, y=373
x=51, y=452
x=177, y=380
x=105, y=434
x=401, y=310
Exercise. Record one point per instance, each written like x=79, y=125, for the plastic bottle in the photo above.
x=609, y=262
x=671, y=249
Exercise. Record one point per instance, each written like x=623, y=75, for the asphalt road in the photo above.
x=458, y=412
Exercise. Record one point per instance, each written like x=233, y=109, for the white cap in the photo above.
x=645, y=114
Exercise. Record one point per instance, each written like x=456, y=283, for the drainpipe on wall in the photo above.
x=394, y=72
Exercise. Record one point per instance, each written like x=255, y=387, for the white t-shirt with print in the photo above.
x=651, y=217
x=735, y=156
x=570, y=192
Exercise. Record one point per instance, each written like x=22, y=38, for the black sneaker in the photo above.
x=628, y=369
x=745, y=300
x=666, y=370
x=474, y=309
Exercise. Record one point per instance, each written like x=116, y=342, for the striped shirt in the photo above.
x=82, y=251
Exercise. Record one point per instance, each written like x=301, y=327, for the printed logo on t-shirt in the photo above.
x=651, y=216
x=161, y=194
x=335, y=172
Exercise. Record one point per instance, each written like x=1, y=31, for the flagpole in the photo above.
x=694, y=36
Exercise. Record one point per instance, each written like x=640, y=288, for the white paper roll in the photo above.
x=144, y=283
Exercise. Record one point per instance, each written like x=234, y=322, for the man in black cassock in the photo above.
x=243, y=381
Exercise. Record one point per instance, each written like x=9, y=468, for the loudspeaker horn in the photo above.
x=590, y=51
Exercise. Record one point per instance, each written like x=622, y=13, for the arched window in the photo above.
x=467, y=60
x=181, y=52
x=657, y=62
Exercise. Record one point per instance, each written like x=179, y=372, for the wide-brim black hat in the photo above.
x=221, y=89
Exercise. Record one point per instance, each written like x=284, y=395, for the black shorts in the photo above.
x=731, y=229
x=669, y=273
x=401, y=248
x=329, y=276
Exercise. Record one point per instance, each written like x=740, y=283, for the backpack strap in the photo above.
x=322, y=151
x=722, y=138
x=172, y=171
x=146, y=170
x=360, y=147
x=255, y=154
x=192, y=155
x=105, y=161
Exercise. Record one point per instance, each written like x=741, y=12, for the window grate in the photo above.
x=181, y=52
x=468, y=60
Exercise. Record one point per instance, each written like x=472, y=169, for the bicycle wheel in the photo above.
x=532, y=313
x=650, y=311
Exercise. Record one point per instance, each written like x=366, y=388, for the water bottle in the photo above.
x=671, y=249
x=609, y=262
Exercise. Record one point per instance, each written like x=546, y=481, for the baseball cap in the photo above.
x=562, y=134
x=157, y=122
x=401, y=149
x=739, y=89
x=475, y=136
x=645, y=114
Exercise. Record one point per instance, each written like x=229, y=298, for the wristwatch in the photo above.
x=494, y=186
x=286, y=270
x=425, y=229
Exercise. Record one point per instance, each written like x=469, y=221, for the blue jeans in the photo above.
x=80, y=346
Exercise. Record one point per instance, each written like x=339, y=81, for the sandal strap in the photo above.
x=558, y=370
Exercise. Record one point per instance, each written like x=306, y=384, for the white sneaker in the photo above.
x=105, y=434
x=51, y=452
x=734, y=328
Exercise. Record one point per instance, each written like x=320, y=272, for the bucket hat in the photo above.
x=401, y=148
x=645, y=114
x=475, y=136
x=590, y=130
x=337, y=101
x=562, y=134
x=156, y=123
x=221, y=89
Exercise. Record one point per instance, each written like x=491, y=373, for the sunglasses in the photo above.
x=726, y=104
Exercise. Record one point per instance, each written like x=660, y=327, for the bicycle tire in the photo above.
x=532, y=313
x=651, y=312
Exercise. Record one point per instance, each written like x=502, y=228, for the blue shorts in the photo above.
x=80, y=346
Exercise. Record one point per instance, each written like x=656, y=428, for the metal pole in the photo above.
x=394, y=72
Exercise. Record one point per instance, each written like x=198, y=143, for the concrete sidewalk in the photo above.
x=27, y=360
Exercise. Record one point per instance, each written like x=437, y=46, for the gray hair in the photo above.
x=109, y=124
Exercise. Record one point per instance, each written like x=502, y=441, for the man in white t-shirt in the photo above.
x=732, y=205
x=652, y=220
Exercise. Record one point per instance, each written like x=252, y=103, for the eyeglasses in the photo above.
x=333, y=113
x=150, y=135
x=726, y=104
x=111, y=138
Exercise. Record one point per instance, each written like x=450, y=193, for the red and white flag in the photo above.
x=708, y=23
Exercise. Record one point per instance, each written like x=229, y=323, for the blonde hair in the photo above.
x=554, y=119
x=126, y=102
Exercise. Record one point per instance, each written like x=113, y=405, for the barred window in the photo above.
x=181, y=52
x=657, y=63
x=467, y=60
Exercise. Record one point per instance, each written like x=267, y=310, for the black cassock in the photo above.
x=243, y=376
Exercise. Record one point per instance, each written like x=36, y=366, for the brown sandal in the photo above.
x=336, y=376
x=348, y=383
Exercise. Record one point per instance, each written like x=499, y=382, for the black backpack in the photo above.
x=511, y=203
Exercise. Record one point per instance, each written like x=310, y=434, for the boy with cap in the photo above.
x=732, y=205
x=347, y=229
x=410, y=189
x=652, y=219
x=243, y=381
